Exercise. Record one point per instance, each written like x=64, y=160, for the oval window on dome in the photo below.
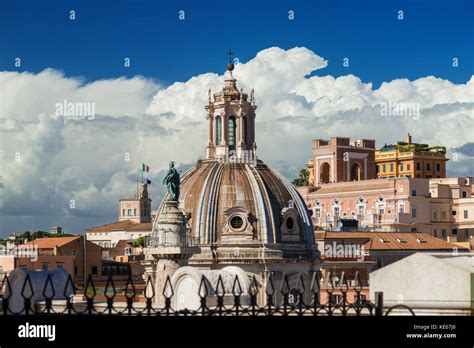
x=236, y=222
x=290, y=224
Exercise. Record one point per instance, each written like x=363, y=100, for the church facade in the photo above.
x=235, y=217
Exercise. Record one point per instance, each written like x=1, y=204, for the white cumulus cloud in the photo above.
x=47, y=161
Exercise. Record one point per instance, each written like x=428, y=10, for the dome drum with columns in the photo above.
x=240, y=214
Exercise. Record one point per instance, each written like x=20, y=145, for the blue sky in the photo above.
x=380, y=47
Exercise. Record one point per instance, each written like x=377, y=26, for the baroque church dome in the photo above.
x=230, y=217
x=242, y=203
x=231, y=198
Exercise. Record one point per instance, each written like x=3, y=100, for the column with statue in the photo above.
x=168, y=248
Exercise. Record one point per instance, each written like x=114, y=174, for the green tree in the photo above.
x=303, y=178
x=39, y=234
x=140, y=242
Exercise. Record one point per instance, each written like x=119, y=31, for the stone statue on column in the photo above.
x=172, y=182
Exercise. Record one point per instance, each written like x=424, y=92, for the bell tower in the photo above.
x=231, y=116
x=137, y=208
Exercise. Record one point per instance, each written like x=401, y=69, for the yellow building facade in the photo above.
x=311, y=172
x=412, y=160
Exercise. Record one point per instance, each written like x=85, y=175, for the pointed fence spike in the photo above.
x=89, y=290
x=69, y=285
x=343, y=284
x=130, y=291
x=270, y=288
x=203, y=290
x=6, y=287
x=329, y=282
x=316, y=282
x=253, y=287
x=357, y=282
x=220, y=289
x=300, y=287
x=27, y=291
x=110, y=288
x=236, y=287
x=285, y=285
x=149, y=289
x=48, y=289
x=168, y=291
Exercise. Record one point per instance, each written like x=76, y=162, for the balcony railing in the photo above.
x=314, y=299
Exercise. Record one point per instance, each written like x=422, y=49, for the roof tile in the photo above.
x=52, y=242
x=373, y=240
x=125, y=225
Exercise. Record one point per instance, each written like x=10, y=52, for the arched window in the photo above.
x=355, y=172
x=244, y=129
x=324, y=172
x=232, y=131
x=218, y=130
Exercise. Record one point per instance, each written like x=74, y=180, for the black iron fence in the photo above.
x=321, y=297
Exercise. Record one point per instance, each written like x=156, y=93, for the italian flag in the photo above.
x=145, y=168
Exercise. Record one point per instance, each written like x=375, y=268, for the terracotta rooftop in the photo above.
x=141, y=227
x=125, y=225
x=122, y=243
x=391, y=240
x=52, y=242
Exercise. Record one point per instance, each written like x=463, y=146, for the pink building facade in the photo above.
x=443, y=208
x=339, y=159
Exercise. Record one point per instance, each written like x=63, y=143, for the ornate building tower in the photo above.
x=138, y=208
x=231, y=121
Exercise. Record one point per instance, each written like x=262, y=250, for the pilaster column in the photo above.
x=365, y=168
x=211, y=130
x=225, y=127
x=239, y=135
x=251, y=129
